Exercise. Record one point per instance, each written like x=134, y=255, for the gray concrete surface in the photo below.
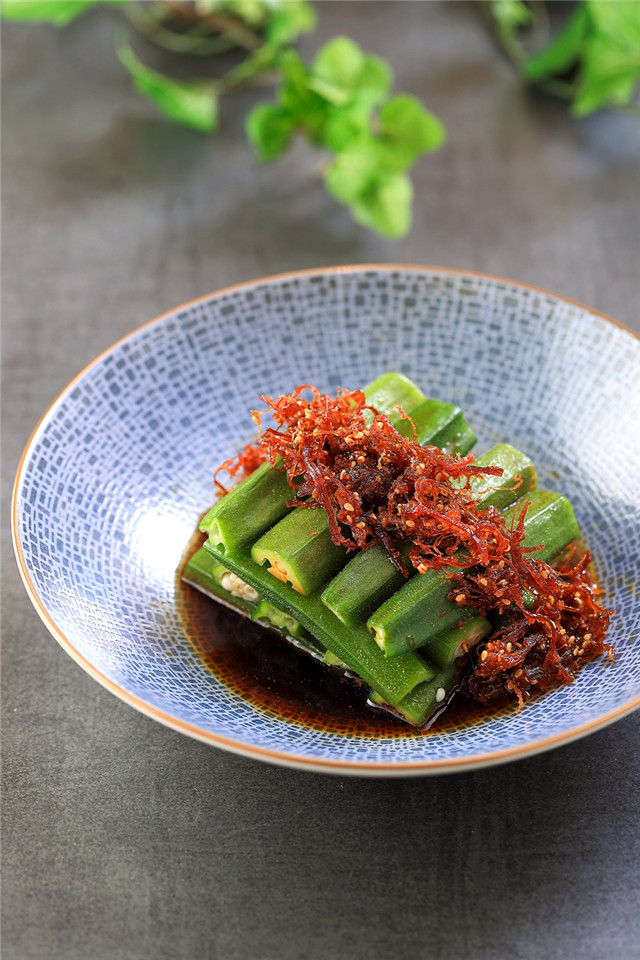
x=124, y=840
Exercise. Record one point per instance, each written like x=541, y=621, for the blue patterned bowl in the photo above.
x=114, y=479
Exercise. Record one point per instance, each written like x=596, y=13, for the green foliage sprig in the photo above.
x=341, y=103
x=593, y=61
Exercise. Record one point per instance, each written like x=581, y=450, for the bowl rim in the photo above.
x=297, y=761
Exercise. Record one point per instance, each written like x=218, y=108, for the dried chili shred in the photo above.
x=378, y=486
x=243, y=463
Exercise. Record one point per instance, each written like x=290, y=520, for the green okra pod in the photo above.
x=550, y=523
x=392, y=390
x=357, y=649
x=418, y=705
x=248, y=509
x=370, y=577
x=420, y=610
x=260, y=500
x=440, y=425
x=284, y=623
x=444, y=649
x=208, y=575
x=299, y=550
x=213, y=578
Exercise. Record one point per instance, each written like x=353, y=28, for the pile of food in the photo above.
x=366, y=532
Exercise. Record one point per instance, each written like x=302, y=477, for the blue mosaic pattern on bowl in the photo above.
x=120, y=470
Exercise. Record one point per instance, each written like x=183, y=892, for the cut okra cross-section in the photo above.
x=299, y=550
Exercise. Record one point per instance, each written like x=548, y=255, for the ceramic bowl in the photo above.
x=117, y=473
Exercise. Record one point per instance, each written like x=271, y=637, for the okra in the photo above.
x=517, y=478
x=357, y=649
x=248, y=509
x=363, y=584
x=392, y=390
x=550, y=523
x=299, y=550
x=370, y=578
x=420, y=610
x=281, y=621
x=440, y=425
x=278, y=618
x=424, y=699
x=444, y=649
x=212, y=578
x=208, y=575
x=260, y=500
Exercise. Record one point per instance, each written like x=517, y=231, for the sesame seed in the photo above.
x=509, y=648
x=440, y=695
x=348, y=507
x=460, y=598
x=587, y=636
x=484, y=655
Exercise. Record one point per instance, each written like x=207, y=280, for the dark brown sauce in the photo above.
x=276, y=678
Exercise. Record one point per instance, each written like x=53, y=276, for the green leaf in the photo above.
x=375, y=80
x=294, y=90
x=385, y=206
x=57, y=12
x=611, y=59
x=563, y=51
x=288, y=20
x=345, y=125
x=269, y=129
x=352, y=171
x=407, y=131
x=378, y=199
x=253, y=12
x=618, y=20
x=193, y=104
x=341, y=73
x=307, y=109
x=339, y=63
x=511, y=13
